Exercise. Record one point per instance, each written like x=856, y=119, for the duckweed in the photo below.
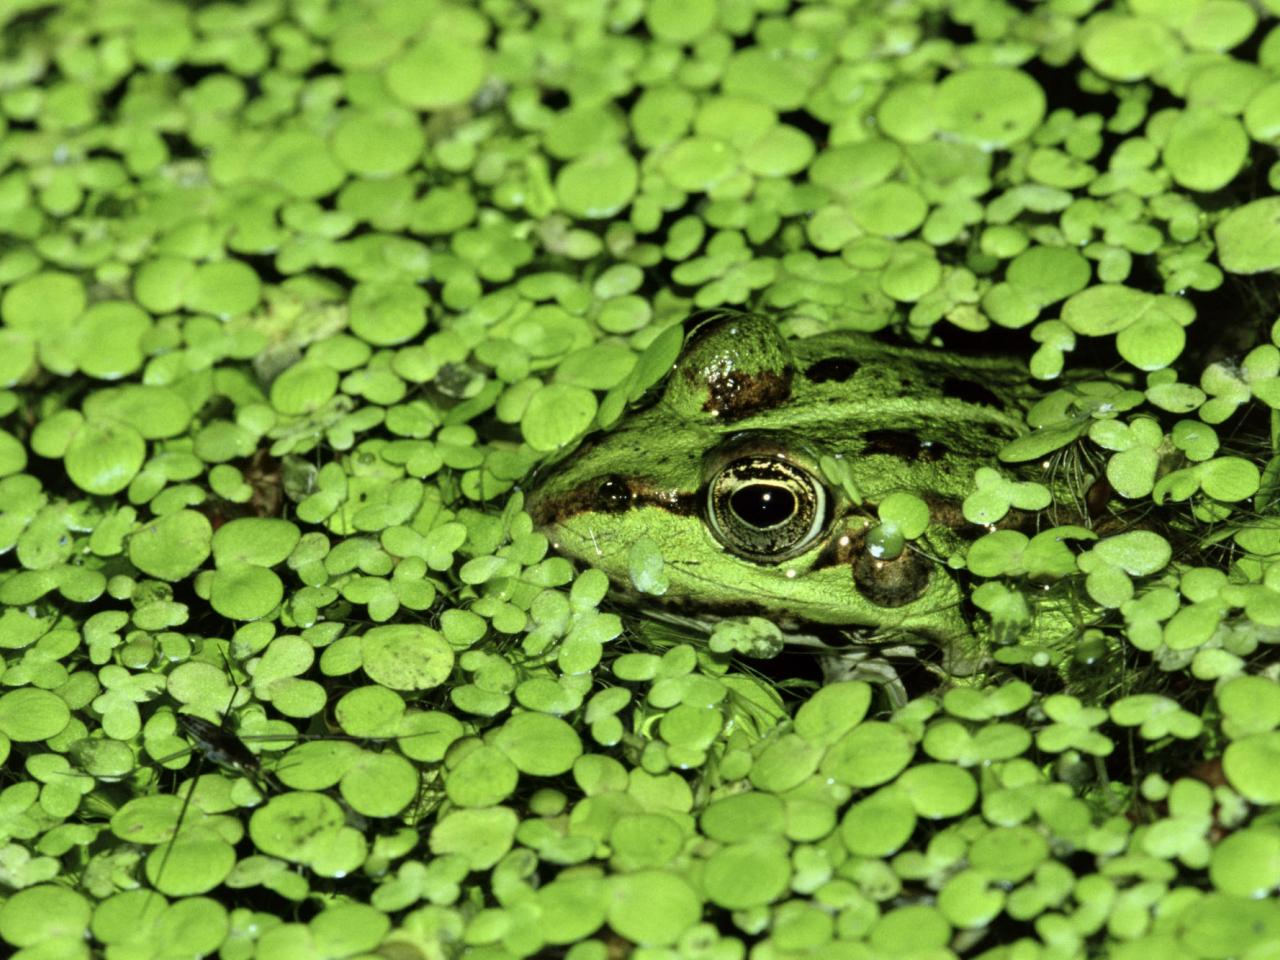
x=295, y=297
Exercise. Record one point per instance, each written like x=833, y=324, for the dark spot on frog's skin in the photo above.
x=886, y=583
x=832, y=370
x=932, y=450
x=902, y=444
x=892, y=583
x=610, y=493
x=838, y=551
x=681, y=504
x=969, y=391
x=734, y=394
x=613, y=495
x=948, y=513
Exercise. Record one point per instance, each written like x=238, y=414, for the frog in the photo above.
x=757, y=466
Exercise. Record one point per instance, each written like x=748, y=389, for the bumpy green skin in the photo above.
x=911, y=420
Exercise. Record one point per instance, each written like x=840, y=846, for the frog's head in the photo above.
x=722, y=474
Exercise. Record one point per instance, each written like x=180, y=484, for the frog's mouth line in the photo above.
x=778, y=599
x=784, y=611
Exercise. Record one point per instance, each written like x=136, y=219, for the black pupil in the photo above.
x=763, y=505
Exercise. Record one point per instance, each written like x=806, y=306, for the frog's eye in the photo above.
x=765, y=508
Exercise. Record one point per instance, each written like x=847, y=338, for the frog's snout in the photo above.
x=608, y=493
x=535, y=506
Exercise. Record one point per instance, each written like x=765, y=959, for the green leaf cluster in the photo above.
x=294, y=297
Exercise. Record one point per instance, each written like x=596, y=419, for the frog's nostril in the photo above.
x=613, y=495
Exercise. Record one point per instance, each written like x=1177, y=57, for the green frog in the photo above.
x=758, y=470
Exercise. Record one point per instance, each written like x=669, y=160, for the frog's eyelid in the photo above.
x=760, y=443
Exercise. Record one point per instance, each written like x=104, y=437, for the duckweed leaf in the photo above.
x=744, y=875
x=260, y=541
x=196, y=862
x=1248, y=239
x=651, y=907
x=749, y=636
x=918, y=927
x=1138, y=553
x=29, y=715
x=1105, y=308
x=1043, y=440
x=241, y=591
x=995, y=495
x=965, y=98
x=556, y=415
x=1249, y=704
x=969, y=900
x=304, y=388
x=389, y=312
x=377, y=142
x=999, y=553
x=172, y=547
x=1205, y=150
x=870, y=754
x=1229, y=478
x=646, y=567
x=832, y=711
x=1048, y=274
x=482, y=777
x=1218, y=923
x=380, y=784
x=1247, y=863
x=406, y=657
x=108, y=339
x=45, y=914
x=1073, y=727
x=599, y=185
x=349, y=928
x=908, y=514
x=538, y=744
x=1157, y=716
x=878, y=825
x=223, y=288
x=1250, y=767
x=1126, y=48
x=938, y=790
x=103, y=456
x=307, y=828
x=436, y=72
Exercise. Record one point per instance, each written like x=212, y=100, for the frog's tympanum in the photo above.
x=723, y=474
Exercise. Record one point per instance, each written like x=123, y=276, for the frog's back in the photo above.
x=903, y=401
